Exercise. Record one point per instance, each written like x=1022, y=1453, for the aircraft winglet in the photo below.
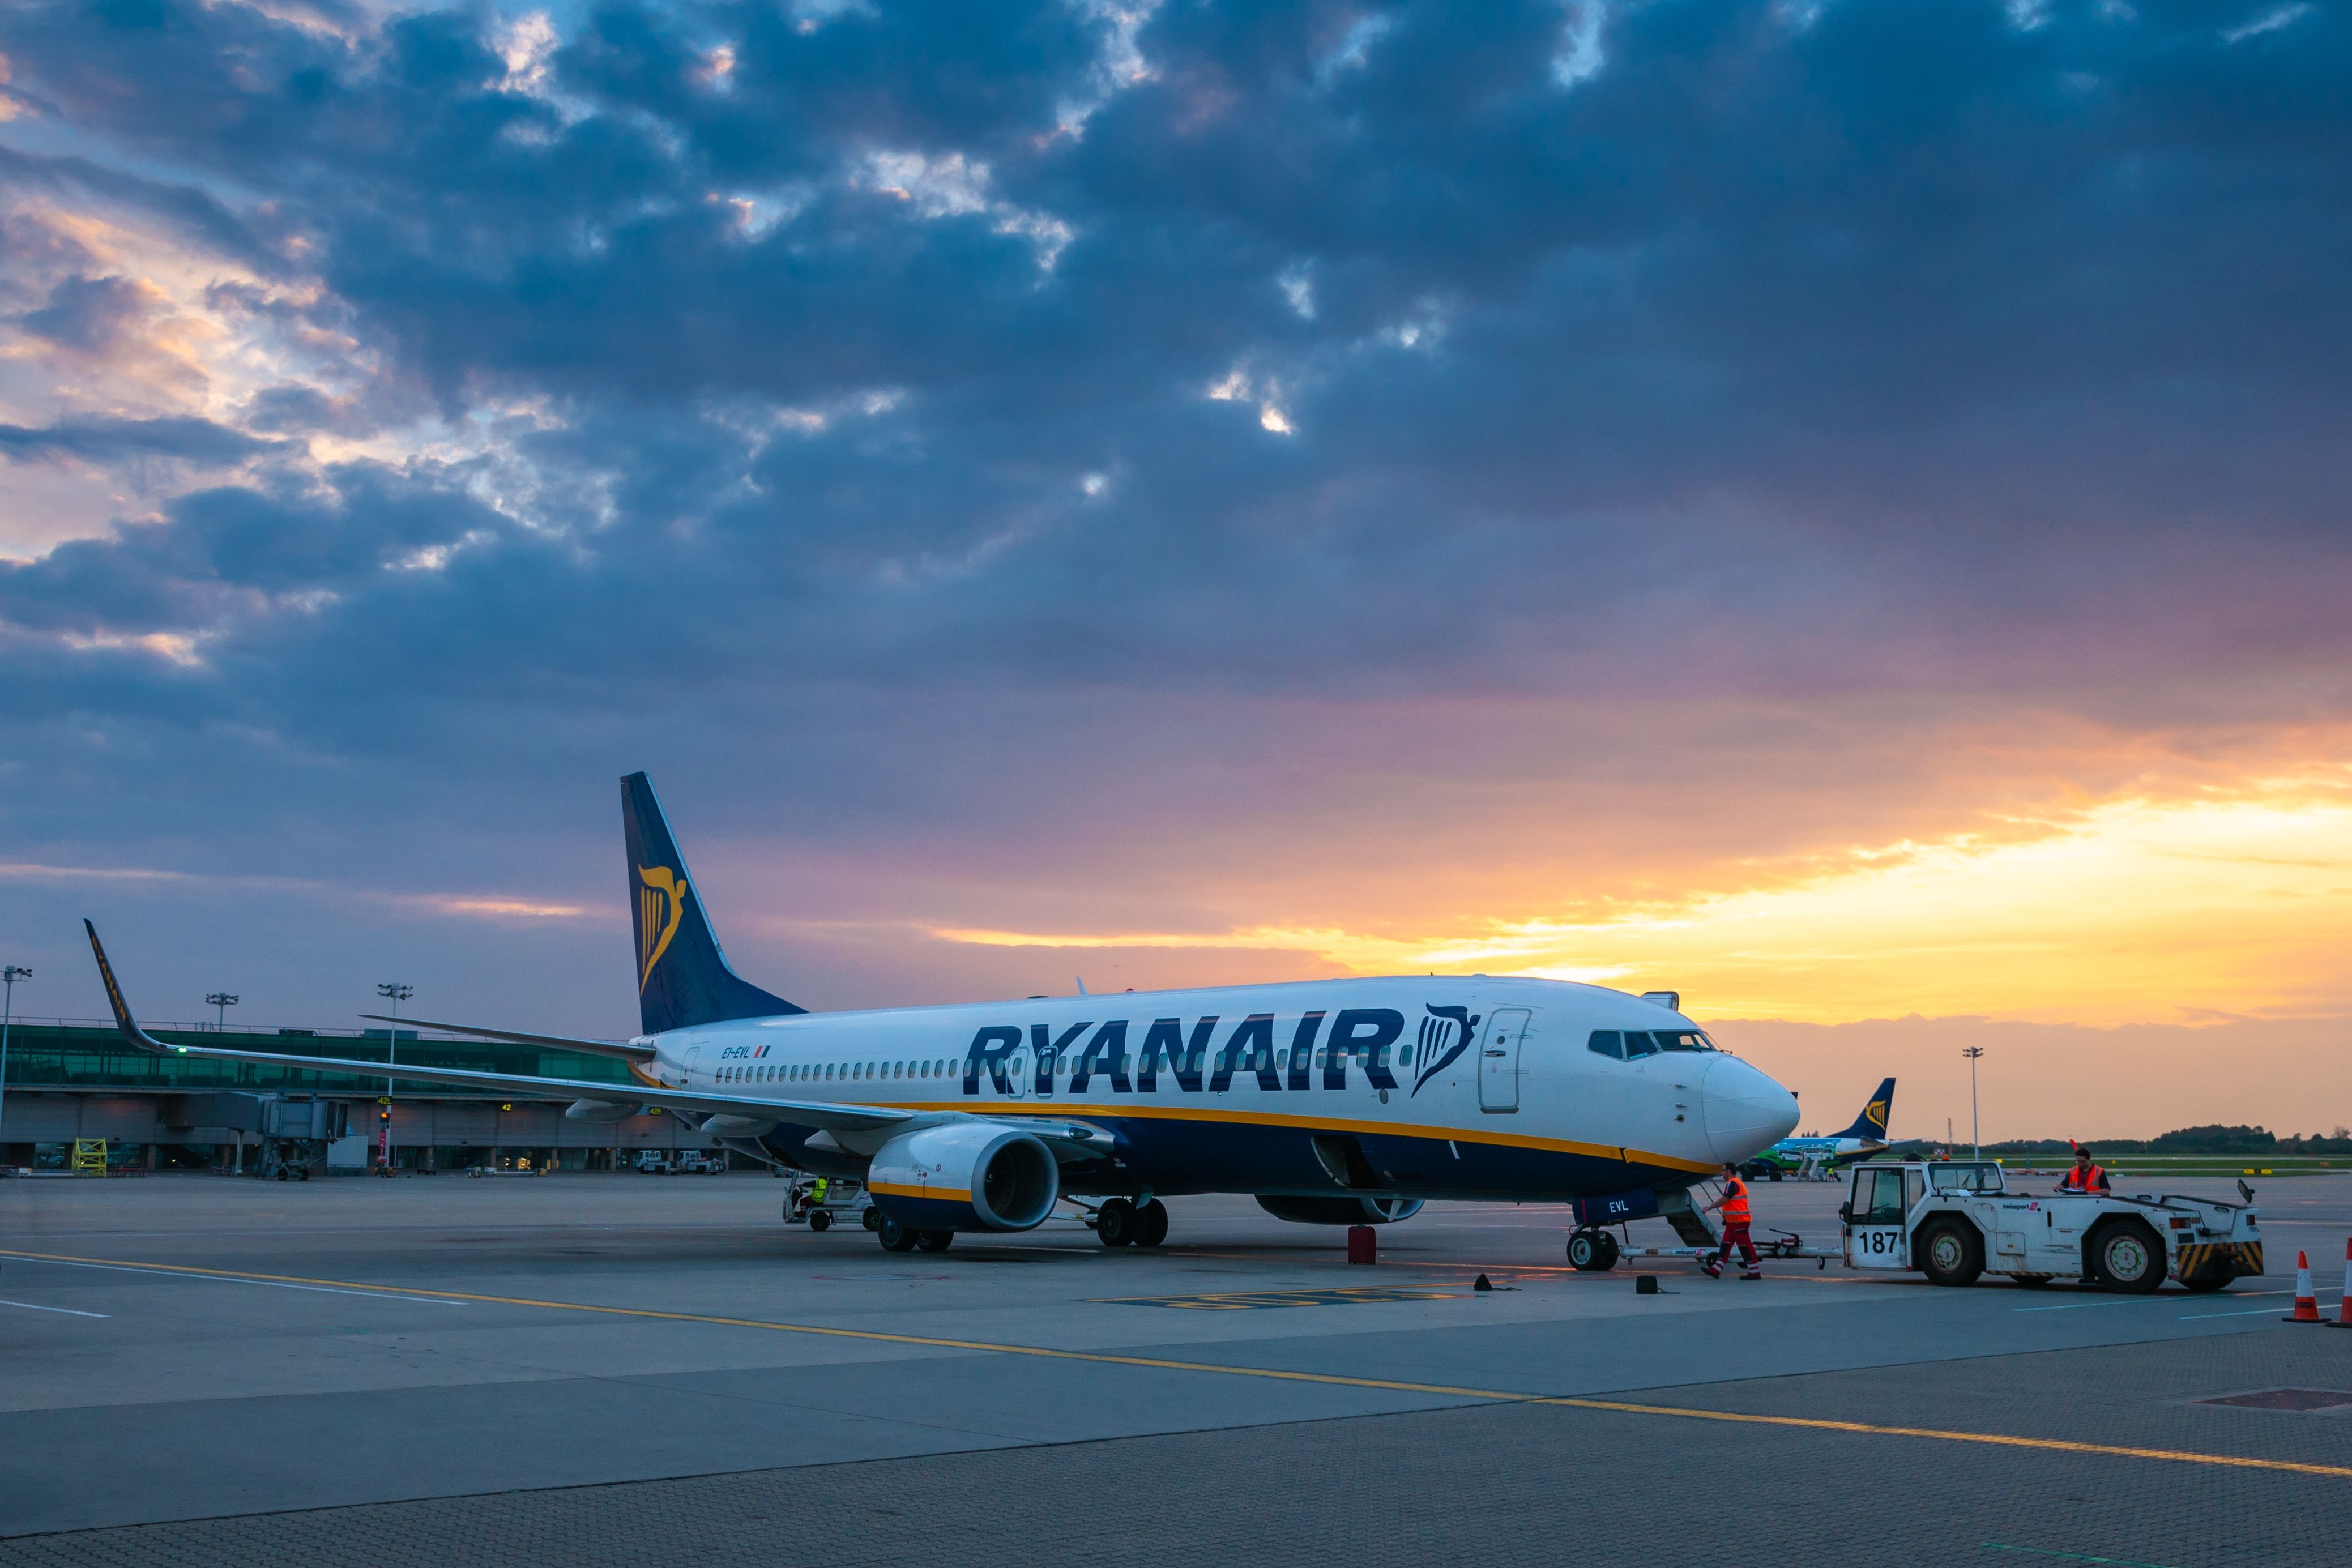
x=122, y=1019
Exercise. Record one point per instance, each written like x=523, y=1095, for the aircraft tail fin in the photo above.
x=683, y=978
x=124, y=1024
x=1871, y=1125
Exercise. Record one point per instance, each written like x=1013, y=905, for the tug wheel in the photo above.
x=2128, y=1258
x=1950, y=1253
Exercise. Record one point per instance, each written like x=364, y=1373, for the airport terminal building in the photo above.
x=69, y=1080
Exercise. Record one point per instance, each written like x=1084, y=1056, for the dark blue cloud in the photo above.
x=812, y=393
x=199, y=440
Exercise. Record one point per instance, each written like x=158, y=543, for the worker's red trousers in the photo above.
x=1736, y=1235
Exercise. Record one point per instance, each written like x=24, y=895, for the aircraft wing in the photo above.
x=830, y=1115
x=561, y=1041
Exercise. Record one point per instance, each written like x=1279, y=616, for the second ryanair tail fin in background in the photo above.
x=1871, y=1125
x=682, y=974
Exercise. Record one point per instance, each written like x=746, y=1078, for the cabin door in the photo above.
x=1498, y=1059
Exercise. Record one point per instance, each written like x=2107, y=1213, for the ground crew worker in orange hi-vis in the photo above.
x=1733, y=1204
x=2085, y=1177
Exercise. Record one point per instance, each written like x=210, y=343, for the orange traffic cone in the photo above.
x=2307, y=1305
x=2344, y=1307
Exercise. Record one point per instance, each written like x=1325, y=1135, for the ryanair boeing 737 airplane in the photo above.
x=1333, y=1102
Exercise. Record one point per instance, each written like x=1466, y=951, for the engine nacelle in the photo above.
x=1342, y=1210
x=965, y=1176
x=600, y=1110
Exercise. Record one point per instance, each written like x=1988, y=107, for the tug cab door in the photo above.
x=1875, y=1237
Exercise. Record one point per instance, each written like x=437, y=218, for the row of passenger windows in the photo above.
x=777, y=1073
x=1632, y=1044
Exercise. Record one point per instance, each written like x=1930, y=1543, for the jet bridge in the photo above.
x=294, y=1130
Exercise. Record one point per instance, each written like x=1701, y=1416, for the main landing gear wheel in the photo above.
x=934, y=1241
x=896, y=1237
x=1151, y=1224
x=1116, y=1223
x=1591, y=1252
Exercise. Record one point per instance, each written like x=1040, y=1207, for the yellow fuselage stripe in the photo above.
x=1997, y=1439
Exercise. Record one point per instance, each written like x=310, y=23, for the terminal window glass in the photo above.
x=1607, y=1043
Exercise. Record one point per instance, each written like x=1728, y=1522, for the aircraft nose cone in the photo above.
x=1746, y=1111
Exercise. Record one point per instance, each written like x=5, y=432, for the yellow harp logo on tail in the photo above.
x=1875, y=1114
x=660, y=902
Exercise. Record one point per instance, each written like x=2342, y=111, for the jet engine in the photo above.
x=600, y=1110
x=1340, y=1210
x=965, y=1176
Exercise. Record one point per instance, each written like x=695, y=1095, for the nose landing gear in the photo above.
x=1591, y=1252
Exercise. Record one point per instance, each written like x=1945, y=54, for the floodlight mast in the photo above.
x=12, y=974
x=220, y=1002
x=399, y=994
x=1976, y=1134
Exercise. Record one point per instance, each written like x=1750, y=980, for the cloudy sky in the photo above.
x=1836, y=506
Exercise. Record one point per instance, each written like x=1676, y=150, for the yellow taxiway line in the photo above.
x=1492, y=1396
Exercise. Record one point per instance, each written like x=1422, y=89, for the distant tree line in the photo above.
x=2213, y=1139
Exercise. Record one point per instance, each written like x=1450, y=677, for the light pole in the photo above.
x=1976, y=1136
x=220, y=1002
x=12, y=973
x=399, y=994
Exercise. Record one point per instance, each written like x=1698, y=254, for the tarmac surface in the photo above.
x=590, y=1369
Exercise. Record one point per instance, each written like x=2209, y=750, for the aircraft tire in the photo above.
x=895, y=1237
x=934, y=1241
x=1152, y=1224
x=1591, y=1252
x=1116, y=1222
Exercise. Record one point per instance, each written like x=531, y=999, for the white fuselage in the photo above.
x=1229, y=1089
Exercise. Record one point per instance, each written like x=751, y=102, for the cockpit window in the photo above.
x=1683, y=1039
x=1607, y=1043
x=1639, y=1044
